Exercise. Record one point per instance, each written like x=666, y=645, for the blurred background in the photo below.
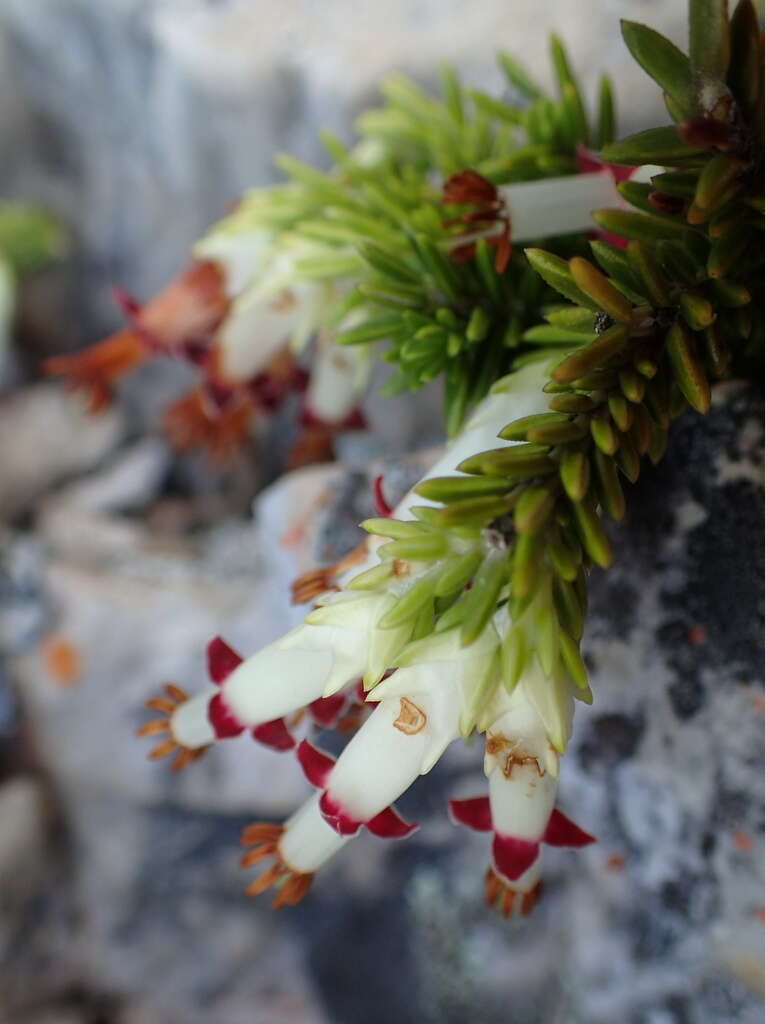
x=138, y=123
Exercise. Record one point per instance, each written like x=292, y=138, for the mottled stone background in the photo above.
x=120, y=897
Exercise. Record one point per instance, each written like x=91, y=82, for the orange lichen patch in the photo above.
x=315, y=444
x=291, y=885
x=96, y=370
x=167, y=705
x=312, y=583
x=62, y=659
x=760, y=915
x=697, y=635
x=615, y=862
x=502, y=897
x=758, y=703
x=742, y=842
x=189, y=308
x=194, y=422
x=411, y=718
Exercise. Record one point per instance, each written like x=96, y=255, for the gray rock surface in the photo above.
x=661, y=922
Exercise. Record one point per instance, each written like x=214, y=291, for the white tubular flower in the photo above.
x=340, y=644
x=278, y=307
x=339, y=380
x=298, y=849
x=420, y=709
x=522, y=767
x=339, y=641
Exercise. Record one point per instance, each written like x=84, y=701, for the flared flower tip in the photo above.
x=291, y=886
x=190, y=308
x=501, y=895
x=195, y=422
x=96, y=370
x=161, y=727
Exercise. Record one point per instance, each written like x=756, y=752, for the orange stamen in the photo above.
x=193, y=422
x=293, y=890
x=96, y=370
x=266, y=880
x=261, y=831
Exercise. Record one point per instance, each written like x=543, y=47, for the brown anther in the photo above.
x=261, y=831
x=160, y=704
x=502, y=896
x=160, y=726
x=266, y=880
x=258, y=853
x=293, y=890
x=164, y=748
x=508, y=900
x=401, y=568
x=185, y=757
x=291, y=885
x=176, y=694
x=155, y=728
x=356, y=555
x=311, y=584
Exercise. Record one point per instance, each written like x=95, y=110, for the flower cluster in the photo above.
x=465, y=609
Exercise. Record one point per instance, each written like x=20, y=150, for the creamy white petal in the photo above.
x=308, y=841
x=189, y=723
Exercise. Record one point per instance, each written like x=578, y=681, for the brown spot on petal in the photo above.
x=283, y=302
x=411, y=718
x=497, y=743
